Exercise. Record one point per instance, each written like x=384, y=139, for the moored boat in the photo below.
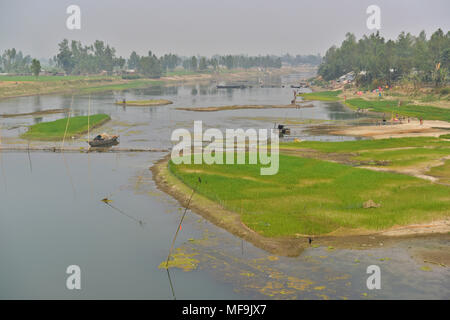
x=104, y=140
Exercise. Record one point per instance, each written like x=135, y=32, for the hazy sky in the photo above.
x=207, y=27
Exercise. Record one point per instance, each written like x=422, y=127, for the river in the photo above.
x=52, y=216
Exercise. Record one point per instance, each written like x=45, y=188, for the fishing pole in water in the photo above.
x=29, y=157
x=181, y=221
x=107, y=202
x=171, y=285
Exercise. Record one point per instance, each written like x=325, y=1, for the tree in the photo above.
x=133, y=61
x=169, y=61
x=65, y=57
x=120, y=62
x=150, y=66
x=214, y=63
x=377, y=61
x=193, y=65
x=35, y=67
x=202, y=66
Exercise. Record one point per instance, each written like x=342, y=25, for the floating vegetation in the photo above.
x=247, y=274
x=133, y=132
x=319, y=288
x=426, y=268
x=181, y=260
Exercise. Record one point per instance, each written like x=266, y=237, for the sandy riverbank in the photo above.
x=429, y=128
x=88, y=84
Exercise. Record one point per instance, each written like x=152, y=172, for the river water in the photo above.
x=52, y=216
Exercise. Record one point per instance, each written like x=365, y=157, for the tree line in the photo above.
x=75, y=58
x=12, y=61
x=376, y=61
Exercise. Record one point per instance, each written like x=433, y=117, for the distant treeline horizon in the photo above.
x=75, y=58
x=376, y=61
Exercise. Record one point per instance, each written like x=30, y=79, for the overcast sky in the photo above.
x=207, y=27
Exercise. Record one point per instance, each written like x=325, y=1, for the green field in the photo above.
x=394, y=153
x=358, y=145
x=312, y=196
x=54, y=130
x=409, y=110
x=321, y=95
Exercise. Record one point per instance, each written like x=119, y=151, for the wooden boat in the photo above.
x=104, y=141
x=282, y=130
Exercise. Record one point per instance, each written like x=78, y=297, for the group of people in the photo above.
x=397, y=119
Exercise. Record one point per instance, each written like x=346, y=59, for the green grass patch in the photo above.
x=322, y=95
x=393, y=152
x=311, y=196
x=404, y=157
x=409, y=110
x=358, y=145
x=54, y=130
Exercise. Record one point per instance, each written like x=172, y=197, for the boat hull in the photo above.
x=104, y=143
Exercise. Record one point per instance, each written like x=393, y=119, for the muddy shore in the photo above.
x=238, y=107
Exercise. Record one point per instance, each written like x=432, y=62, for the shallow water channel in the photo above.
x=52, y=216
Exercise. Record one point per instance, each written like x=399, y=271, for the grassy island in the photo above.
x=328, y=189
x=54, y=130
x=322, y=95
